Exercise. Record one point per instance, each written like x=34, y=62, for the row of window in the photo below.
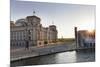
x=18, y=44
x=22, y=36
x=18, y=35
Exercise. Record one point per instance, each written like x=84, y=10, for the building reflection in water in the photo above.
x=58, y=58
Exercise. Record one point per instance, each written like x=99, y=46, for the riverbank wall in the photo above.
x=38, y=51
x=19, y=54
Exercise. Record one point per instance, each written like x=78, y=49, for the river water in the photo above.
x=58, y=58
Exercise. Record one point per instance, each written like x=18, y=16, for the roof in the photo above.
x=33, y=16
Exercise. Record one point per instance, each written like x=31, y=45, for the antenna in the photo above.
x=34, y=12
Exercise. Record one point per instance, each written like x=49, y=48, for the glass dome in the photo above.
x=21, y=22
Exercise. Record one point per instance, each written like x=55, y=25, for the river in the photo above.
x=58, y=58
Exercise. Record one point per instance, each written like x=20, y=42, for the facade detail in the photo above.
x=30, y=31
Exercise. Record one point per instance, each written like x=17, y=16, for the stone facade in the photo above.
x=31, y=30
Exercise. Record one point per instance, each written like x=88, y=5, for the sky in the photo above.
x=64, y=16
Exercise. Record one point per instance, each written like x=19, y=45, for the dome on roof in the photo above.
x=52, y=26
x=21, y=22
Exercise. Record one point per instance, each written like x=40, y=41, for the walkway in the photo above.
x=22, y=53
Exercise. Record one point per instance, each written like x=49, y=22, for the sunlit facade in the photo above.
x=85, y=38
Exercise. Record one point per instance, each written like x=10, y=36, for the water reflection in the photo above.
x=64, y=57
x=85, y=56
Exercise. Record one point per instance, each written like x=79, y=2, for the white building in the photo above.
x=31, y=30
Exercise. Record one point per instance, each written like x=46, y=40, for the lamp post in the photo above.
x=27, y=39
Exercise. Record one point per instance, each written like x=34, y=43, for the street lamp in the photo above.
x=27, y=39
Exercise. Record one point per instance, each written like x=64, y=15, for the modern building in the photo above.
x=85, y=38
x=30, y=31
